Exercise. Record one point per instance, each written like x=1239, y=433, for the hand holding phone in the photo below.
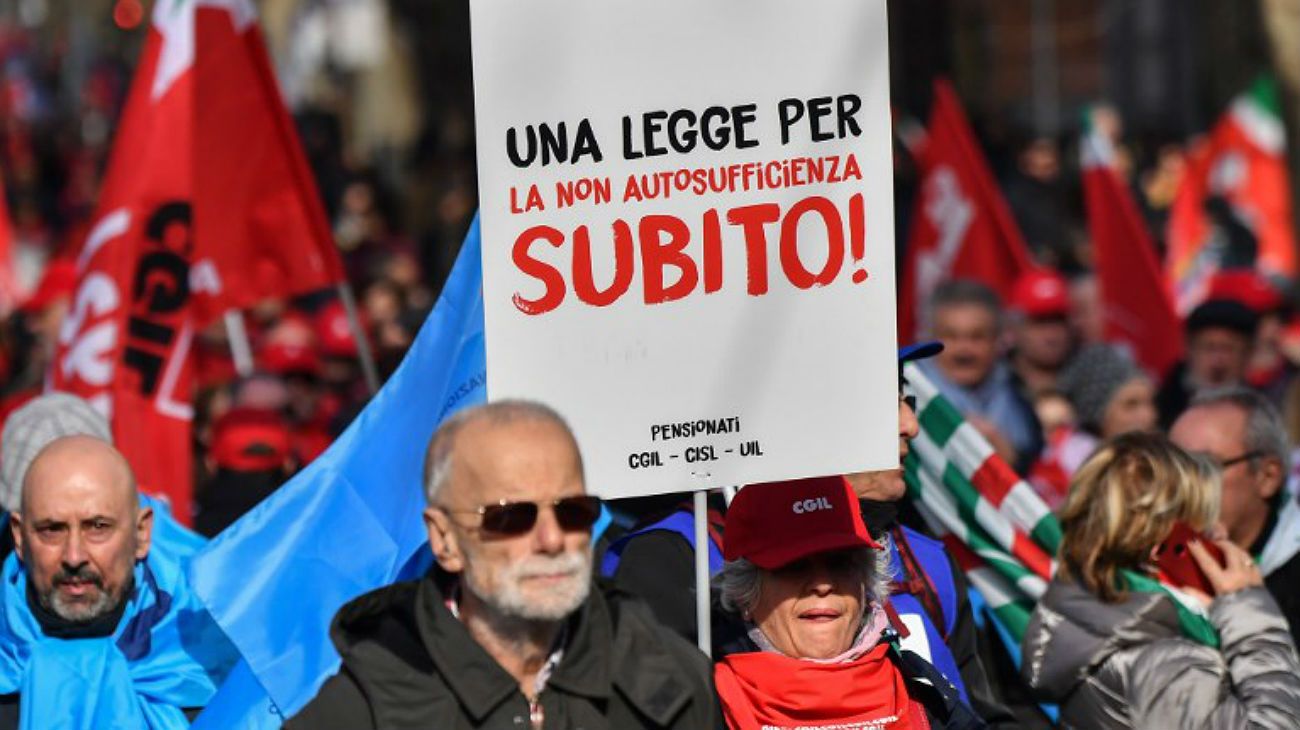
x=1177, y=566
x=1236, y=571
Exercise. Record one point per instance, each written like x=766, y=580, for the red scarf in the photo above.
x=768, y=691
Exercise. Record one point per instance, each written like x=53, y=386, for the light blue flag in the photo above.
x=347, y=524
x=170, y=536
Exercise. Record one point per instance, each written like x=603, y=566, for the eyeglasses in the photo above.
x=509, y=519
x=1225, y=463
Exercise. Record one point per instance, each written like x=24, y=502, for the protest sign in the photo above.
x=688, y=239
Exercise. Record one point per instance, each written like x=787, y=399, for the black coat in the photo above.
x=408, y=663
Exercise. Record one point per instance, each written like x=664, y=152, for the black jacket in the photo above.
x=408, y=663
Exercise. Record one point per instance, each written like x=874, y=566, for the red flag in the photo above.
x=1139, y=311
x=961, y=226
x=9, y=294
x=207, y=205
x=1243, y=162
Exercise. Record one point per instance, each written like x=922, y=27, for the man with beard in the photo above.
x=97, y=629
x=506, y=631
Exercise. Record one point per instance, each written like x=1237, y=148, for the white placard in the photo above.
x=687, y=218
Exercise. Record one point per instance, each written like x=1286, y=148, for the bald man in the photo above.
x=80, y=531
x=96, y=629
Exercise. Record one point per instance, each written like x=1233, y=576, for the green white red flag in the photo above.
x=993, y=522
x=207, y=205
x=1243, y=162
x=1138, y=308
x=961, y=226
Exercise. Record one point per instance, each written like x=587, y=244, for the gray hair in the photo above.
x=36, y=425
x=1265, y=429
x=740, y=582
x=959, y=292
x=437, y=458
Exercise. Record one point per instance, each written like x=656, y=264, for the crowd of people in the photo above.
x=827, y=612
x=833, y=604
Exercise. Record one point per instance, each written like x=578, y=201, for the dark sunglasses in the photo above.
x=508, y=519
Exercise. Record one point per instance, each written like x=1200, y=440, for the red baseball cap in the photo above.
x=1041, y=293
x=286, y=358
x=1246, y=286
x=777, y=523
x=246, y=439
x=333, y=331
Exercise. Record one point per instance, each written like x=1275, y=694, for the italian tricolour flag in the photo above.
x=993, y=522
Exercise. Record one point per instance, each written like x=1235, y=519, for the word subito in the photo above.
x=661, y=244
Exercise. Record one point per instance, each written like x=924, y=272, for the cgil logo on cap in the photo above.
x=805, y=506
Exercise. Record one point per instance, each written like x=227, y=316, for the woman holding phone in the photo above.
x=1116, y=645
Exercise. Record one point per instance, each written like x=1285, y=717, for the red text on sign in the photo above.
x=661, y=244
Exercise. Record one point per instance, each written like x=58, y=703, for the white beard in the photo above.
x=512, y=600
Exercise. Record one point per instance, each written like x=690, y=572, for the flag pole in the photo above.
x=703, y=631
x=363, y=344
x=240, y=350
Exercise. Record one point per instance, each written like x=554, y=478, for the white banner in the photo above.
x=688, y=241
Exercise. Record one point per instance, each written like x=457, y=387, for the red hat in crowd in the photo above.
x=290, y=347
x=1041, y=293
x=1246, y=286
x=58, y=282
x=777, y=523
x=285, y=358
x=333, y=331
x=245, y=439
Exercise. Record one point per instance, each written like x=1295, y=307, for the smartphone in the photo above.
x=1175, y=561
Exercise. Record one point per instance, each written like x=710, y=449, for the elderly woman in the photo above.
x=806, y=586
x=1118, y=648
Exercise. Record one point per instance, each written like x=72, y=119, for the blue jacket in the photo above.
x=926, y=638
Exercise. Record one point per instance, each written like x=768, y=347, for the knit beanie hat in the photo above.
x=33, y=427
x=1091, y=380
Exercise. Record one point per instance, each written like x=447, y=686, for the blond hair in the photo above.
x=1124, y=501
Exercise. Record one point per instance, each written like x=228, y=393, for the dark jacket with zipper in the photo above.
x=408, y=663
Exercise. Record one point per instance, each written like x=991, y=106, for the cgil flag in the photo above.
x=996, y=526
x=961, y=226
x=347, y=524
x=1239, y=172
x=207, y=205
x=1139, y=311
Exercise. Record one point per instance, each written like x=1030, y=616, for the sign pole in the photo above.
x=240, y=351
x=704, y=632
x=363, y=344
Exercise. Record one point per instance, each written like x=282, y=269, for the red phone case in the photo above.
x=1175, y=561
